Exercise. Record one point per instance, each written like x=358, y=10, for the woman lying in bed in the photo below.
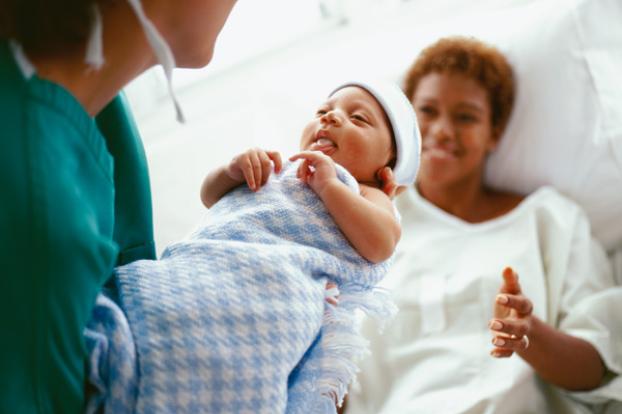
x=450, y=279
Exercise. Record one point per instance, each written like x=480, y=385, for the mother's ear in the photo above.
x=497, y=132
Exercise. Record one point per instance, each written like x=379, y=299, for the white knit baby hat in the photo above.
x=403, y=123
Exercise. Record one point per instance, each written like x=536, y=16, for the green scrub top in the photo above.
x=75, y=203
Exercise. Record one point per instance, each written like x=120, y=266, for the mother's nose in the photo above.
x=441, y=129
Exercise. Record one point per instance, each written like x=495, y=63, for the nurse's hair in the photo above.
x=47, y=27
x=474, y=59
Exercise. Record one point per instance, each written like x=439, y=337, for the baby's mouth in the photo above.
x=326, y=145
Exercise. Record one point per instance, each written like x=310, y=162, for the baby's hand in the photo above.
x=317, y=169
x=254, y=166
x=511, y=324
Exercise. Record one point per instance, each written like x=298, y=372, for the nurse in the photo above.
x=73, y=176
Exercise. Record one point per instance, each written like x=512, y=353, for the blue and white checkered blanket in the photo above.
x=234, y=318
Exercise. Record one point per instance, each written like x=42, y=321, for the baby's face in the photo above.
x=352, y=128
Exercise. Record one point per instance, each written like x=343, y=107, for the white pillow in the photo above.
x=566, y=127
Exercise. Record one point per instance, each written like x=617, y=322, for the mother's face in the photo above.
x=190, y=27
x=454, y=116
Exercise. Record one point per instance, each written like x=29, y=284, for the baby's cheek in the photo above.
x=306, y=138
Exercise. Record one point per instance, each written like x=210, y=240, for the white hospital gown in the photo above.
x=434, y=357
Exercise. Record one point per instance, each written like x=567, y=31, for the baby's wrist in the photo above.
x=329, y=187
x=232, y=173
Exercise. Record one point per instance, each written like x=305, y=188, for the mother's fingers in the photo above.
x=501, y=353
x=510, y=281
x=517, y=328
x=511, y=343
x=521, y=304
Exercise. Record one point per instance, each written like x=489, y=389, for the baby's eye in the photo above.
x=359, y=117
x=321, y=112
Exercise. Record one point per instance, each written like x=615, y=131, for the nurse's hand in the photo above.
x=254, y=166
x=387, y=182
x=511, y=324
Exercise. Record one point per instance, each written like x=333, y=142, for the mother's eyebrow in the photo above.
x=424, y=99
x=470, y=105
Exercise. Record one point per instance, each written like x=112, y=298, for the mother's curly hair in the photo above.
x=475, y=60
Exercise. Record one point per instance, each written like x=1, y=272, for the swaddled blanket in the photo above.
x=234, y=319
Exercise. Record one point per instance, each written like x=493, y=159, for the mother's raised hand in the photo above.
x=512, y=317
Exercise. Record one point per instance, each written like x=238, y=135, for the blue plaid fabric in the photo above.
x=234, y=320
x=112, y=374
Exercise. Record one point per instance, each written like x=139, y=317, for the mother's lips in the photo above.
x=439, y=151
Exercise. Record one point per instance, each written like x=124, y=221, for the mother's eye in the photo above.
x=466, y=118
x=426, y=110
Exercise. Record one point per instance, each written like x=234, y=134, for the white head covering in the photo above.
x=403, y=123
x=94, y=49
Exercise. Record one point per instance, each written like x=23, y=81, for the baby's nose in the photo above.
x=330, y=117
